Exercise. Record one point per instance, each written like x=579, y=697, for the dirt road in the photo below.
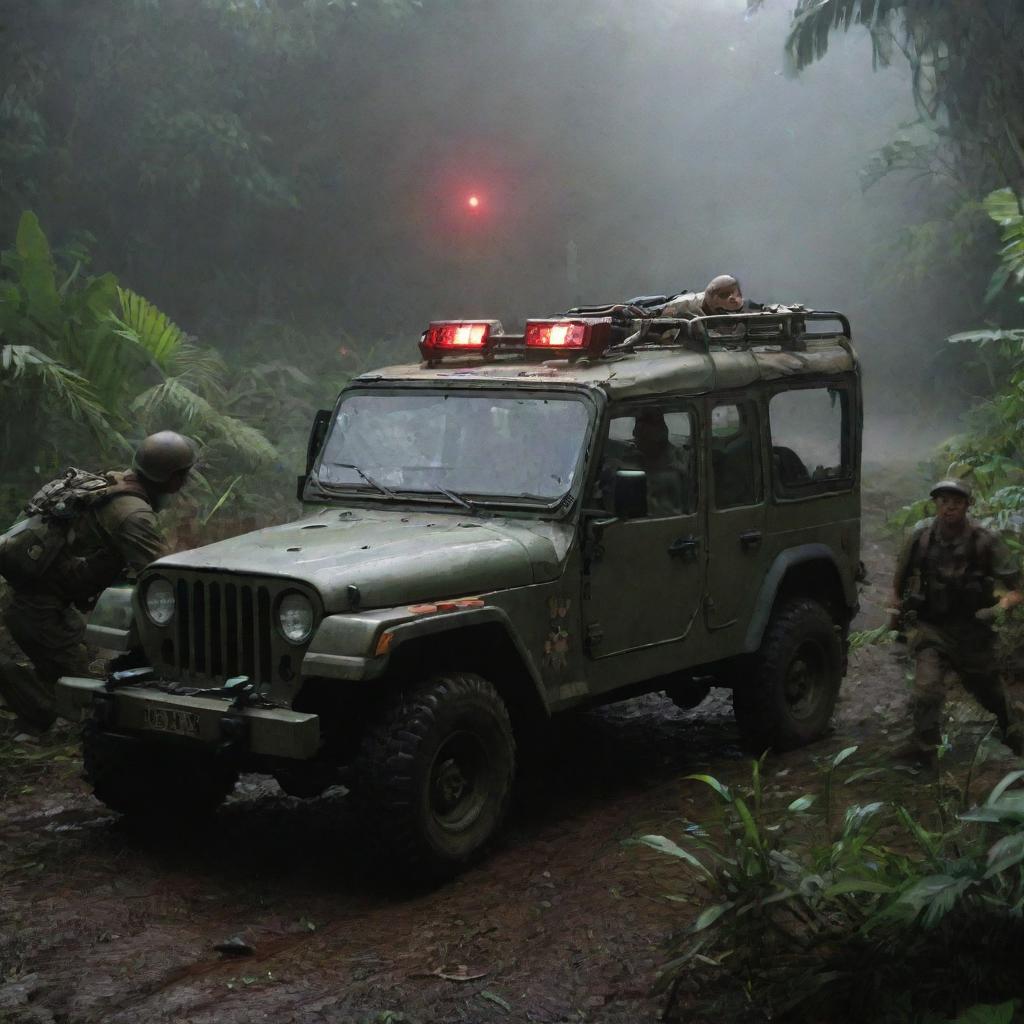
x=561, y=923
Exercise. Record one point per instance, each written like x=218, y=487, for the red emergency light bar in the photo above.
x=541, y=339
x=592, y=336
x=458, y=335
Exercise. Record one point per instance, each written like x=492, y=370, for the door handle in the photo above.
x=751, y=538
x=684, y=547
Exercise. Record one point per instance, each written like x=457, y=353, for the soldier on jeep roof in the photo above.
x=943, y=585
x=105, y=525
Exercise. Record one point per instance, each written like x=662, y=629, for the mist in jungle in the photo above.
x=611, y=149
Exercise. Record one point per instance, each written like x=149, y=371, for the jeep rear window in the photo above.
x=472, y=444
x=810, y=447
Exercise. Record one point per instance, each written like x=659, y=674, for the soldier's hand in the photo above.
x=988, y=614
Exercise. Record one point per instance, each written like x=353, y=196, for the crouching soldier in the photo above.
x=944, y=588
x=82, y=532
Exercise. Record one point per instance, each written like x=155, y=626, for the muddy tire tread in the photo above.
x=386, y=769
x=762, y=725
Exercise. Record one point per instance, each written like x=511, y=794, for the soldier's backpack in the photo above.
x=31, y=546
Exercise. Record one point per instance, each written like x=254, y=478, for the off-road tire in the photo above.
x=788, y=699
x=152, y=781
x=434, y=775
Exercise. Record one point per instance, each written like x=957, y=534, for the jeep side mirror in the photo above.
x=630, y=496
x=321, y=422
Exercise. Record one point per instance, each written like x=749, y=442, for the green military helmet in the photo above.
x=163, y=454
x=951, y=486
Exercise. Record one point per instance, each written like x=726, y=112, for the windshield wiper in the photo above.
x=366, y=476
x=457, y=498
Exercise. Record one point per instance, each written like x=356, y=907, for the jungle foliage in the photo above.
x=967, y=80
x=822, y=911
x=87, y=368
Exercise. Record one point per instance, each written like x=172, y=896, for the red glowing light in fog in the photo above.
x=473, y=202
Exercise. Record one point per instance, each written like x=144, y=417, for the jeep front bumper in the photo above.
x=273, y=732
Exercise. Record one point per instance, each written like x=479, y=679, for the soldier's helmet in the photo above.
x=163, y=454
x=952, y=486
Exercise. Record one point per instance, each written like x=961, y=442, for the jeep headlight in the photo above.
x=295, y=617
x=158, y=600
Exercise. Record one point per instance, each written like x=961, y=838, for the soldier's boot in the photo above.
x=30, y=698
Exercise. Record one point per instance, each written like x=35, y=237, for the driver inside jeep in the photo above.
x=669, y=478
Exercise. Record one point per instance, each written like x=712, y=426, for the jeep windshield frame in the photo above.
x=469, y=447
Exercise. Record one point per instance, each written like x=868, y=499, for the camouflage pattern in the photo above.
x=45, y=622
x=946, y=582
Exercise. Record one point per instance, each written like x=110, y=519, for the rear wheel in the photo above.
x=792, y=693
x=153, y=781
x=434, y=776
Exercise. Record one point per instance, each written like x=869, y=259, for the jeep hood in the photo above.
x=393, y=557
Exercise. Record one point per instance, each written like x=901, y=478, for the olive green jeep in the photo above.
x=515, y=526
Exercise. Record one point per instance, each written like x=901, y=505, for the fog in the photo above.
x=615, y=148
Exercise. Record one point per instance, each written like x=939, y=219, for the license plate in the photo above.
x=183, y=723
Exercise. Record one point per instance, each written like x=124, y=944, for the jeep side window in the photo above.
x=660, y=441
x=735, y=454
x=808, y=427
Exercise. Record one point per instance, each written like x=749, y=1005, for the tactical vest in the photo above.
x=30, y=547
x=941, y=592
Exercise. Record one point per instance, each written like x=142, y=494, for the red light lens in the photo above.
x=556, y=334
x=457, y=335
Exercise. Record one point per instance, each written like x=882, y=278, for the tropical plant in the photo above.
x=822, y=914
x=81, y=352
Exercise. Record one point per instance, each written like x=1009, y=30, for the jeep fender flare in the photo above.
x=770, y=586
x=376, y=633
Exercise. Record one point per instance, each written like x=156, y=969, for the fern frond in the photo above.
x=173, y=400
x=24, y=366
x=145, y=325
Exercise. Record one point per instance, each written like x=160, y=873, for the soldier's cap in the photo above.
x=952, y=486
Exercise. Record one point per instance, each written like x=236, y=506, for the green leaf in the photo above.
x=749, y=825
x=1003, y=785
x=711, y=915
x=710, y=780
x=492, y=997
x=36, y=274
x=1005, y=853
x=665, y=845
x=802, y=803
x=1003, y=206
x=842, y=756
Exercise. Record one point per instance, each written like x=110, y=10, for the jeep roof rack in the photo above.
x=601, y=332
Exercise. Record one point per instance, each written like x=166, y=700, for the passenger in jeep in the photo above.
x=83, y=533
x=669, y=480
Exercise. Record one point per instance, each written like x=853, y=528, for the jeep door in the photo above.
x=736, y=514
x=644, y=576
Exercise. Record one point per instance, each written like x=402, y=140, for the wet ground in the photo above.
x=99, y=922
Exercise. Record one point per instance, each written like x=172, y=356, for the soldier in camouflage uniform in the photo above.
x=115, y=534
x=944, y=587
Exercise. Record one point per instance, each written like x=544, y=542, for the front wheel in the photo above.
x=791, y=695
x=434, y=776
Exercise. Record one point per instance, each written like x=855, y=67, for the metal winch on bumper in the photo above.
x=127, y=706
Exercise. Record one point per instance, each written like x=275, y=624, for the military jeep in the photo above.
x=515, y=526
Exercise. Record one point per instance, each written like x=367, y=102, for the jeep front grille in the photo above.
x=224, y=628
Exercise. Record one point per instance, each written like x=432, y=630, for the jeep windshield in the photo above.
x=456, y=447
